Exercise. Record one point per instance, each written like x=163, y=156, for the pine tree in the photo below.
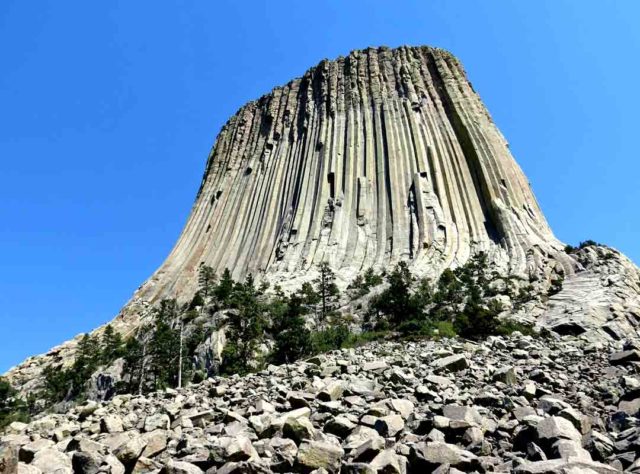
x=206, y=280
x=12, y=407
x=165, y=345
x=396, y=301
x=111, y=345
x=245, y=326
x=85, y=364
x=196, y=301
x=133, y=365
x=327, y=291
x=57, y=382
x=309, y=297
x=224, y=290
x=292, y=338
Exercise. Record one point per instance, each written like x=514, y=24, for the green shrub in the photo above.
x=556, y=286
x=396, y=302
x=12, y=407
x=414, y=326
x=444, y=329
x=198, y=376
x=477, y=322
x=509, y=326
x=356, y=340
x=362, y=284
x=581, y=245
x=333, y=337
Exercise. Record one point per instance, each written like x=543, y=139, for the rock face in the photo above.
x=567, y=411
x=382, y=156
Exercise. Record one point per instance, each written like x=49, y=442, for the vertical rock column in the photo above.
x=380, y=156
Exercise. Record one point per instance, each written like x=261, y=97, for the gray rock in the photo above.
x=28, y=451
x=462, y=413
x=159, y=421
x=561, y=466
x=180, y=467
x=86, y=463
x=430, y=455
x=368, y=450
x=155, y=442
x=554, y=428
x=298, y=429
x=52, y=461
x=25, y=469
x=240, y=449
x=404, y=407
x=339, y=426
x=111, y=424
x=389, y=462
x=390, y=425
x=8, y=459
x=454, y=363
x=624, y=357
x=506, y=375
x=129, y=452
x=320, y=455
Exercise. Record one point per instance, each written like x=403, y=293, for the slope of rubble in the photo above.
x=518, y=404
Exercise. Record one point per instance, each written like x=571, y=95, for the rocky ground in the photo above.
x=519, y=404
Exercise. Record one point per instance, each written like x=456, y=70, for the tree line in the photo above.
x=265, y=325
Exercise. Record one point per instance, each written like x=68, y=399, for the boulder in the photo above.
x=428, y=456
x=159, y=421
x=554, y=428
x=129, y=452
x=52, y=461
x=389, y=462
x=180, y=467
x=319, y=455
x=111, y=424
x=506, y=375
x=389, y=426
x=8, y=459
x=453, y=363
x=28, y=451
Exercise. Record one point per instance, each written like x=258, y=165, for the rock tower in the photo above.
x=380, y=156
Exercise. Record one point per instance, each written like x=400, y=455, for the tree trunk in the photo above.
x=142, y=367
x=180, y=358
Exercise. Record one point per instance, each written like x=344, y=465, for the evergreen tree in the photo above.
x=245, y=326
x=165, y=345
x=477, y=321
x=57, y=383
x=362, y=284
x=133, y=366
x=292, y=338
x=309, y=297
x=396, y=301
x=224, y=290
x=450, y=289
x=206, y=280
x=86, y=362
x=12, y=407
x=111, y=345
x=196, y=301
x=327, y=291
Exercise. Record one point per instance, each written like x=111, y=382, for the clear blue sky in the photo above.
x=108, y=110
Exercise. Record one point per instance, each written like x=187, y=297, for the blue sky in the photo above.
x=108, y=111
